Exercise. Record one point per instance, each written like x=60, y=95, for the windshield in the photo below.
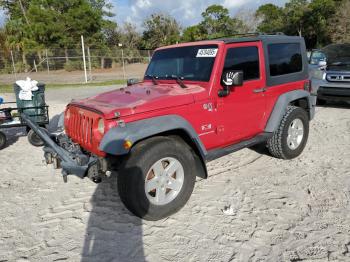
x=316, y=57
x=338, y=56
x=194, y=63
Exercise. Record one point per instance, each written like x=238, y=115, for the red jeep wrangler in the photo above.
x=197, y=102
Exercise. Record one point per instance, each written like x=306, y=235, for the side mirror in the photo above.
x=132, y=81
x=230, y=78
x=322, y=63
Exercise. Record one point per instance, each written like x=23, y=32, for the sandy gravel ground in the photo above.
x=279, y=210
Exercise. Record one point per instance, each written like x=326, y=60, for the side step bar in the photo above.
x=217, y=153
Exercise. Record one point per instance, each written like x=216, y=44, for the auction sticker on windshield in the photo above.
x=207, y=52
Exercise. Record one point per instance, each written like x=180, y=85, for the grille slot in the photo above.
x=80, y=127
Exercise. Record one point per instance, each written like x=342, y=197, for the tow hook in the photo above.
x=97, y=173
x=48, y=158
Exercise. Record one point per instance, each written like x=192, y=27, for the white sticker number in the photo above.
x=207, y=52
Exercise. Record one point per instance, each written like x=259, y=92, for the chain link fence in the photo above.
x=66, y=66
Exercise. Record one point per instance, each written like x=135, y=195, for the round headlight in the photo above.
x=101, y=126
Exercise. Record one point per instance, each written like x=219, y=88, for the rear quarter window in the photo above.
x=285, y=59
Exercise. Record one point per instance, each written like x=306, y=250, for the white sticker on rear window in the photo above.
x=207, y=52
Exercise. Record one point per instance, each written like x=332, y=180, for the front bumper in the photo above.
x=60, y=151
x=331, y=90
x=334, y=93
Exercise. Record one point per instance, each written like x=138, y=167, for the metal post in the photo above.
x=84, y=60
x=149, y=56
x=47, y=62
x=13, y=65
x=35, y=67
x=124, y=74
x=89, y=61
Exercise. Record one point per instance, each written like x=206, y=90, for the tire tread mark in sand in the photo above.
x=231, y=168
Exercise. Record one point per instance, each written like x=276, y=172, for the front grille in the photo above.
x=338, y=78
x=79, y=126
x=82, y=131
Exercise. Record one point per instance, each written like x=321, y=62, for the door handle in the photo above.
x=260, y=90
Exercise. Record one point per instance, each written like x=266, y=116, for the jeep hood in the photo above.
x=140, y=98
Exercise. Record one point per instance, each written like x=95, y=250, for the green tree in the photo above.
x=194, y=33
x=104, y=7
x=272, y=18
x=3, y=44
x=15, y=9
x=19, y=38
x=55, y=22
x=295, y=13
x=129, y=36
x=160, y=30
x=218, y=23
x=320, y=15
x=17, y=30
x=338, y=26
x=4, y=52
x=216, y=20
x=112, y=33
x=300, y=17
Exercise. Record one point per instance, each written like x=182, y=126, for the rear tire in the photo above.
x=2, y=140
x=34, y=139
x=289, y=140
x=157, y=178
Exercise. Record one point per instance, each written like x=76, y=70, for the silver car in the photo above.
x=330, y=72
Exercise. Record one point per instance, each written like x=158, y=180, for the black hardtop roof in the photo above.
x=263, y=38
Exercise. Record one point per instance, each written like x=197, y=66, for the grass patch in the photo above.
x=8, y=88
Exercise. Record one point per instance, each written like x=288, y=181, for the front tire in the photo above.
x=290, y=138
x=157, y=178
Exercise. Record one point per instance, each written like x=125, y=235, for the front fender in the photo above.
x=113, y=141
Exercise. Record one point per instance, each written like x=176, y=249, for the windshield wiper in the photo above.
x=154, y=79
x=179, y=81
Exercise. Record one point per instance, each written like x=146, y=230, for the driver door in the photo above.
x=242, y=112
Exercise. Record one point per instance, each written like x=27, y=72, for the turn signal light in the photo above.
x=127, y=144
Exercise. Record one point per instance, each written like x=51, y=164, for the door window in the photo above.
x=244, y=59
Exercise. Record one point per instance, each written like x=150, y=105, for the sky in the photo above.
x=187, y=12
